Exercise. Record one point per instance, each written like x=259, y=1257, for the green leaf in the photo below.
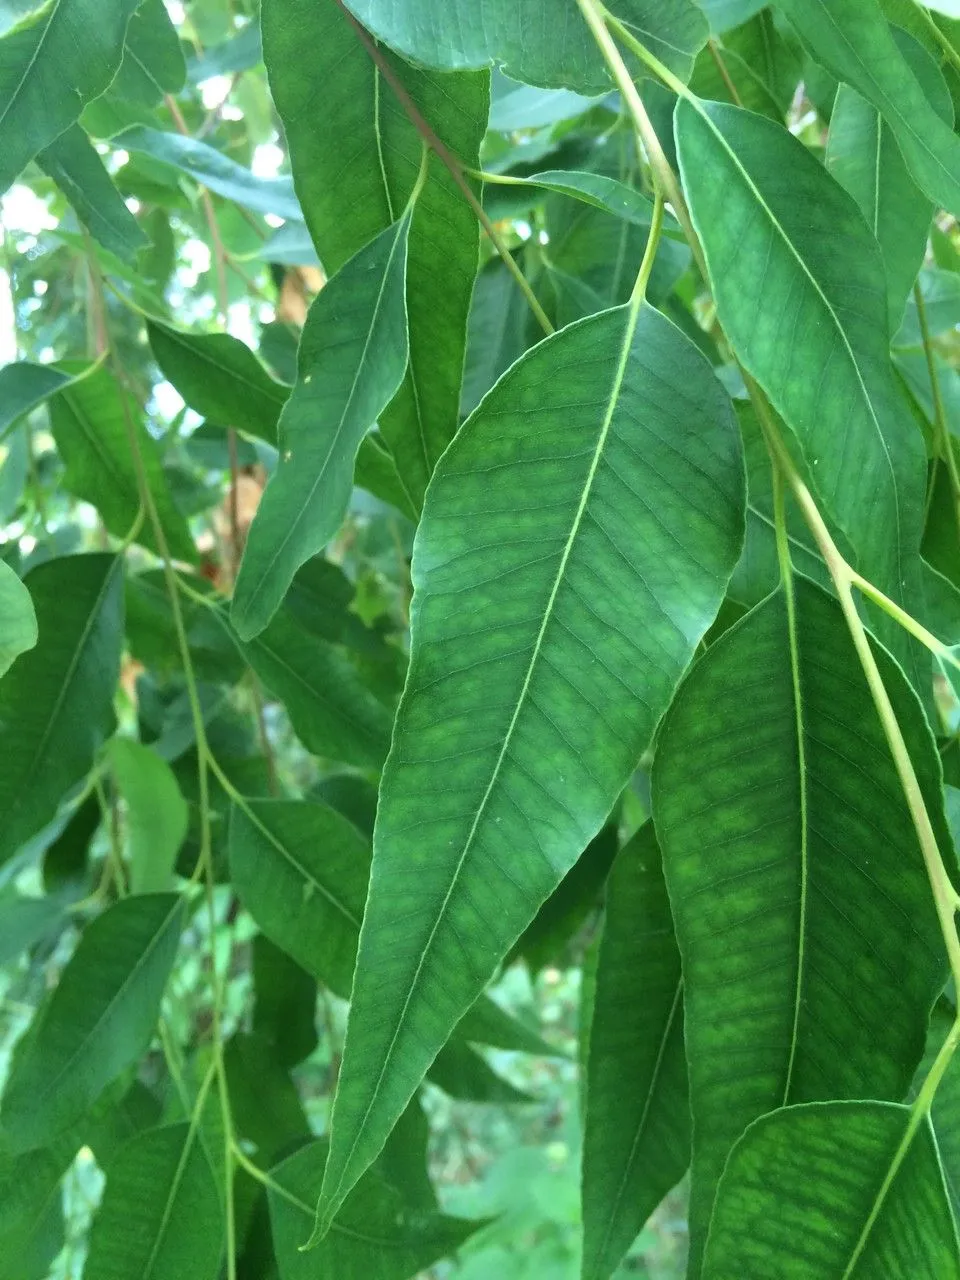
x=153, y=62
x=863, y=155
x=348, y=198
x=377, y=1233
x=25, y=922
x=352, y=357
x=496, y=333
x=332, y=711
x=161, y=1215
x=31, y=1210
x=811, y=949
x=520, y=106
x=577, y=541
x=285, y=1003
x=945, y=1112
x=941, y=304
x=92, y=420
x=56, y=704
x=97, y=1022
x=52, y=62
x=455, y=35
x=155, y=814
x=817, y=1174
x=18, y=621
x=595, y=189
x=854, y=41
x=797, y=258
x=214, y=170
x=221, y=378
x=78, y=171
x=23, y=386
x=636, y=1139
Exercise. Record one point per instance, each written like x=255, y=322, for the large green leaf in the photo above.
x=350, y=195
x=161, y=1216
x=92, y=421
x=78, y=171
x=576, y=544
x=352, y=356
x=18, y=620
x=636, y=1142
x=221, y=378
x=800, y=285
x=214, y=169
x=811, y=949
x=853, y=40
x=804, y=1196
x=56, y=703
x=863, y=155
x=155, y=817
x=377, y=1232
x=52, y=62
x=97, y=1022
x=542, y=42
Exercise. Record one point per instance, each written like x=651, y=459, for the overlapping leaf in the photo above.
x=349, y=196
x=56, y=703
x=18, y=620
x=811, y=949
x=637, y=1122
x=805, y=1195
x=576, y=544
x=352, y=357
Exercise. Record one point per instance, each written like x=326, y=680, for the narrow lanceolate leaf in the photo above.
x=221, y=378
x=352, y=356
x=97, y=1022
x=837, y=1189
x=332, y=711
x=79, y=172
x=637, y=1123
x=377, y=1233
x=811, y=950
x=18, y=619
x=577, y=541
x=161, y=1216
x=56, y=703
x=800, y=285
x=92, y=421
x=853, y=40
x=52, y=63
x=350, y=196
x=542, y=42
x=155, y=813
x=215, y=170
x=863, y=155
x=595, y=189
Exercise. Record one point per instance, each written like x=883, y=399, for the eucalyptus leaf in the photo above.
x=24, y=385
x=155, y=814
x=570, y=610
x=18, y=621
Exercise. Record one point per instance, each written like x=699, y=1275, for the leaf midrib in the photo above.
x=633, y=314
x=14, y=97
x=176, y=338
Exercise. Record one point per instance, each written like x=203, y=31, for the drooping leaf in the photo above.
x=215, y=170
x=595, y=189
x=376, y=1232
x=93, y=420
x=18, y=621
x=155, y=815
x=25, y=921
x=285, y=1001
x=817, y=1174
x=23, y=386
x=31, y=1210
x=153, y=62
x=776, y=265
x=496, y=333
x=78, y=171
x=348, y=198
x=455, y=34
x=352, y=356
x=97, y=1022
x=811, y=949
x=637, y=1123
x=577, y=542
x=853, y=40
x=221, y=378
x=332, y=711
x=161, y=1214
x=237, y=53
x=56, y=702
x=53, y=61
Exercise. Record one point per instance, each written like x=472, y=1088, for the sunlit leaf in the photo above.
x=155, y=814
x=18, y=621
